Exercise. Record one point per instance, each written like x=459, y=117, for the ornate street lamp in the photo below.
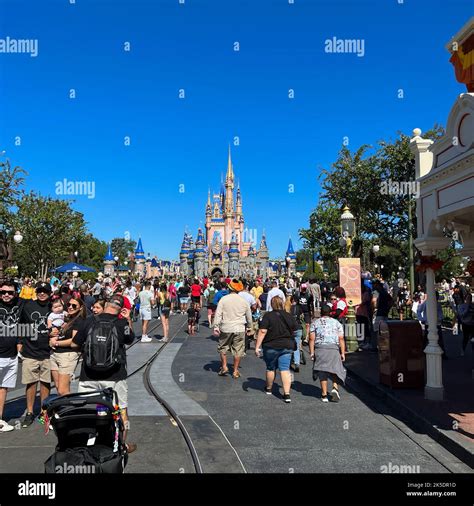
x=348, y=229
x=18, y=237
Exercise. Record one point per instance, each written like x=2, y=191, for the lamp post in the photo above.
x=348, y=229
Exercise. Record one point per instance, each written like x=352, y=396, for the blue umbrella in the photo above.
x=72, y=267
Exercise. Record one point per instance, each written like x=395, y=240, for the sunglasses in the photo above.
x=42, y=292
x=74, y=306
x=7, y=292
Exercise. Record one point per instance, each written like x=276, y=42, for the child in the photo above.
x=197, y=316
x=191, y=320
x=57, y=316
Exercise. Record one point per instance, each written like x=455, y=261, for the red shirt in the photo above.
x=227, y=281
x=205, y=282
x=196, y=290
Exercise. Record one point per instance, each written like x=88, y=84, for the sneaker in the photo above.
x=146, y=339
x=28, y=420
x=5, y=427
x=131, y=447
x=287, y=398
x=324, y=398
x=268, y=391
x=335, y=397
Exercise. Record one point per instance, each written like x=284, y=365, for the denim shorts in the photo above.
x=277, y=358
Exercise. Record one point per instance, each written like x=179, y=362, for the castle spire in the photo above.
x=230, y=173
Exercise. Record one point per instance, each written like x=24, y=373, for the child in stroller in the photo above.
x=89, y=429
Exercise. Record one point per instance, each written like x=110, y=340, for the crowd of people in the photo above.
x=48, y=325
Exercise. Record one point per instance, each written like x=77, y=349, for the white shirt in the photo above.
x=274, y=292
x=327, y=330
x=248, y=297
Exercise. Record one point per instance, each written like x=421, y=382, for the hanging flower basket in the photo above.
x=429, y=262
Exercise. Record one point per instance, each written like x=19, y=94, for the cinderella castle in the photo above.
x=222, y=248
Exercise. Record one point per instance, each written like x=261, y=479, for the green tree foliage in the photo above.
x=11, y=180
x=356, y=179
x=51, y=231
x=122, y=247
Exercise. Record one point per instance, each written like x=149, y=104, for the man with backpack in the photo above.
x=102, y=339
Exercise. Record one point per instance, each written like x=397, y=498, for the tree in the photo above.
x=122, y=248
x=51, y=230
x=11, y=181
x=92, y=251
x=358, y=179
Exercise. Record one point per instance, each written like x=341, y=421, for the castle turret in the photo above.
x=199, y=255
x=229, y=199
x=183, y=256
x=208, y=215
x=234, y=254
x=109, y=262
x=290, y=259
x=140, y=259
x=263, y=257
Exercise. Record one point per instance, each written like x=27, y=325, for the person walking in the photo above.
x=298, y=314
x=466, y=315
x=274, y=292
x=232, y=320
x=147, y=301
x=64, y=359
x=327, y=349
x=165, y=313
x=275, y=339
x=209, y=294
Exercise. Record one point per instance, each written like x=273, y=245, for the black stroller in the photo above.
x=89, y=429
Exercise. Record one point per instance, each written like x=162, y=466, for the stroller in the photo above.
x=89, y=429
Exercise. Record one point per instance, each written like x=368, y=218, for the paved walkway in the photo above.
x=453, y=417
x=359, y=434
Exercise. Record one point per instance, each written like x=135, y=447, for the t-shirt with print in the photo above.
x=327, y=330
x=9, y=318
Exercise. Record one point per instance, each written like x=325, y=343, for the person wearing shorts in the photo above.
x=64, y=359
x=196, y=292
x=34, y=347
x=116, y=377
x=275, y=336
x=9, y=344
x=233, y=319
x=147, y=301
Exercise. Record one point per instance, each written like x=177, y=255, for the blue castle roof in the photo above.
x=290, y=252
x=109, y=255
x=139, y=252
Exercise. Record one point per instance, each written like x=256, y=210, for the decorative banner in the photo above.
x=350, y=280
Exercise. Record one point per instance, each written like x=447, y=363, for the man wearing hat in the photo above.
x=232, y=320
x=34, y=348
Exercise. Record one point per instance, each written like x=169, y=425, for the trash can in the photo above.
x=401, y=356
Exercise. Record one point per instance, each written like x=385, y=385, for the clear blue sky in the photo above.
x=184, y=142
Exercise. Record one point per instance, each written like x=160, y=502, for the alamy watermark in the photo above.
x=66, y=187
x=70, y=469
x=396, y=469
x=27, y=46
x=400, y=188
x=335, y=45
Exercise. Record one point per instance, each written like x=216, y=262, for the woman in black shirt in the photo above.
x=276, y=338
x=64, y=359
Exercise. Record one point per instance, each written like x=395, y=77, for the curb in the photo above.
x=451, y=442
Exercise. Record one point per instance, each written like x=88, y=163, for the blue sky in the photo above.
x=228, y=94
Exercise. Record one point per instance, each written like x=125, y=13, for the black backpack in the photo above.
x=102, y=346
